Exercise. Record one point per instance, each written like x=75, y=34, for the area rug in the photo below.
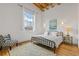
x=30, y=49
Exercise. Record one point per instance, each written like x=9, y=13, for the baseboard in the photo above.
x=19, y=43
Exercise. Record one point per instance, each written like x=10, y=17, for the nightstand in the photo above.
x=68, y=39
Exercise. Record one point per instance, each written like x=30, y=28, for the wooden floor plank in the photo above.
x=68, y=50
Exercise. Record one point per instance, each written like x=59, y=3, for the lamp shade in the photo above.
x=68, y=29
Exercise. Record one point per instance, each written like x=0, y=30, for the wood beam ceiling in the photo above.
x=44, y=6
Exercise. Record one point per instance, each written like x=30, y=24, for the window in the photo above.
x=28, y=20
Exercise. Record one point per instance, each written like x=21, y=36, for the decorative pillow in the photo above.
x=1, y=38
x=53, y=33
x=7, y=37
x=46, y=33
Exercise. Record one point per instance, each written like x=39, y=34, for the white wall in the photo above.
x=11, y=21
x=68, y=13
x=78, y=25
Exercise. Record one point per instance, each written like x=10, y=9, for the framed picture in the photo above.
x=52, y=25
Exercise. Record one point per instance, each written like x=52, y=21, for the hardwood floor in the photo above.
x=67, y=50
x=63, y=50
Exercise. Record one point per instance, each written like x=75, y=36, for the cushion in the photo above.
x=1, y=38
x=7, y=37
x=46, y=33
x=53, y=33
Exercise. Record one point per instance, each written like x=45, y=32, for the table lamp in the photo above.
x=68, y=29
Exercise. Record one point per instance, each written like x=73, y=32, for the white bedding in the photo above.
x=57, y=39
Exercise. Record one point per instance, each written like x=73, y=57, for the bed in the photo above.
x=52, y=40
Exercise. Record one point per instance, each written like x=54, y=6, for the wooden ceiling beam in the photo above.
x=43, y=6
x=37, y=4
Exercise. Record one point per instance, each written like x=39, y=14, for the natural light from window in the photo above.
x=28, y=20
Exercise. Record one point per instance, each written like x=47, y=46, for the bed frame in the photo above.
x=44, y=41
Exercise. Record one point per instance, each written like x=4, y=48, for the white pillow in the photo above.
x=53, y=33
x=45, y=33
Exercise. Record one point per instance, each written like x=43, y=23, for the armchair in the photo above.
x=6, y=42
